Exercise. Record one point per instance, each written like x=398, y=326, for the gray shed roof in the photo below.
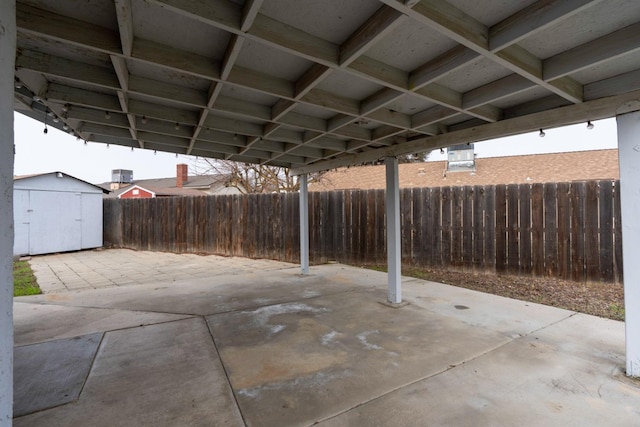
x=23, y=178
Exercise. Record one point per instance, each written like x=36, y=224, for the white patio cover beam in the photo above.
x=629, y=161
x=394, y=292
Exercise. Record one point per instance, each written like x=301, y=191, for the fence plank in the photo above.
x=364, y=226
x=537, y=229
x=524, y=196
x=501, y=228
x=418, y=240
x=606, y=249
x=457, y=197
x=591, y=244
x=478, y=226
x=490, y=228
x=618, y=233
x=425, y=237
x=406, y=225
x=349, y=226
x=445, y=198
x=467, y=226
x=564, y=230
x=381, y=227
x=436, y=227
x=513, y=232
x=551, y=230
x=578, y=194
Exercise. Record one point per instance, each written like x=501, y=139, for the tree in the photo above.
x=407, y=158
x=414, y=157
x=251, y=178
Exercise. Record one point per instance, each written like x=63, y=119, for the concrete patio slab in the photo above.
x=335, y=351
x=159, y=375
x=124, y=267
x=41, y=322
x=221, y=293
x=248, y=347
x=567, y=374
x=51, y=373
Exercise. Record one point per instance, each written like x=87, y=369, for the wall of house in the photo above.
x=136, y=193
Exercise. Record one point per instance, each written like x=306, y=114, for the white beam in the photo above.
x=629, y=160
x=533, y=19
x=249, y=13
x=575, y=113
x=466, y=30
x=441, y=66
x=606, y=48
x=394, y=283
x=383, y=21
x=79, y=33
x=304, y=224
x=7, y=64
x=125, y=25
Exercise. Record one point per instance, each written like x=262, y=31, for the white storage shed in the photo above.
x=55, y=212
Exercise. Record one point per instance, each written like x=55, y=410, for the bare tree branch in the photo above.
x=252, y=178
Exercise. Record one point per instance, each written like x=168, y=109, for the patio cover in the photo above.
x=313, y=85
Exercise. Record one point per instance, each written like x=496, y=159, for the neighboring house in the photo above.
x=535, y=168
x=55, y=212
x=123, y=186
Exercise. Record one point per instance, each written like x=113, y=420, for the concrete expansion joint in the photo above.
x=93, y=361
x=226, y=371
x=541, y=328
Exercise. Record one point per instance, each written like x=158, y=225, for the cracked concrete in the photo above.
x=254, y=343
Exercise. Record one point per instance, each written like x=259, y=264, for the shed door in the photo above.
x=91, y=220
x=21, y=216
x=56, y=222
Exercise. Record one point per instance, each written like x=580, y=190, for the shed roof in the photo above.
x=23, y=178
x=320, y=84
x=536, y=168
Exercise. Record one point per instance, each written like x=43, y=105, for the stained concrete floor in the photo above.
x=254, y=343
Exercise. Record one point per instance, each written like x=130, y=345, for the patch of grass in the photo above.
x=24, y=282
x=617, y=311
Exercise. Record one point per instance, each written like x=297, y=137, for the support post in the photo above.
x=304, y=224
x=394, y=285
x=7, y=64
x=629, y=163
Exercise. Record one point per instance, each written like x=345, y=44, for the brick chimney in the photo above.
x=182, y=174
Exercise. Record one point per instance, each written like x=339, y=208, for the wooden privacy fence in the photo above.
x=563, y=230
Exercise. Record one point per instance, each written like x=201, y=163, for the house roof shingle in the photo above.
x=536, y=168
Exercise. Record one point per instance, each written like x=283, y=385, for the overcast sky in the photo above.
x=58, y=151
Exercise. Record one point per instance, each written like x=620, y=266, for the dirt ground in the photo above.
x=598, y=299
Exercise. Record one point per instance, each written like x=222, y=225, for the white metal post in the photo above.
x=7, y=63
x=393, y=231
x=304, y=224
x=629, y=163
